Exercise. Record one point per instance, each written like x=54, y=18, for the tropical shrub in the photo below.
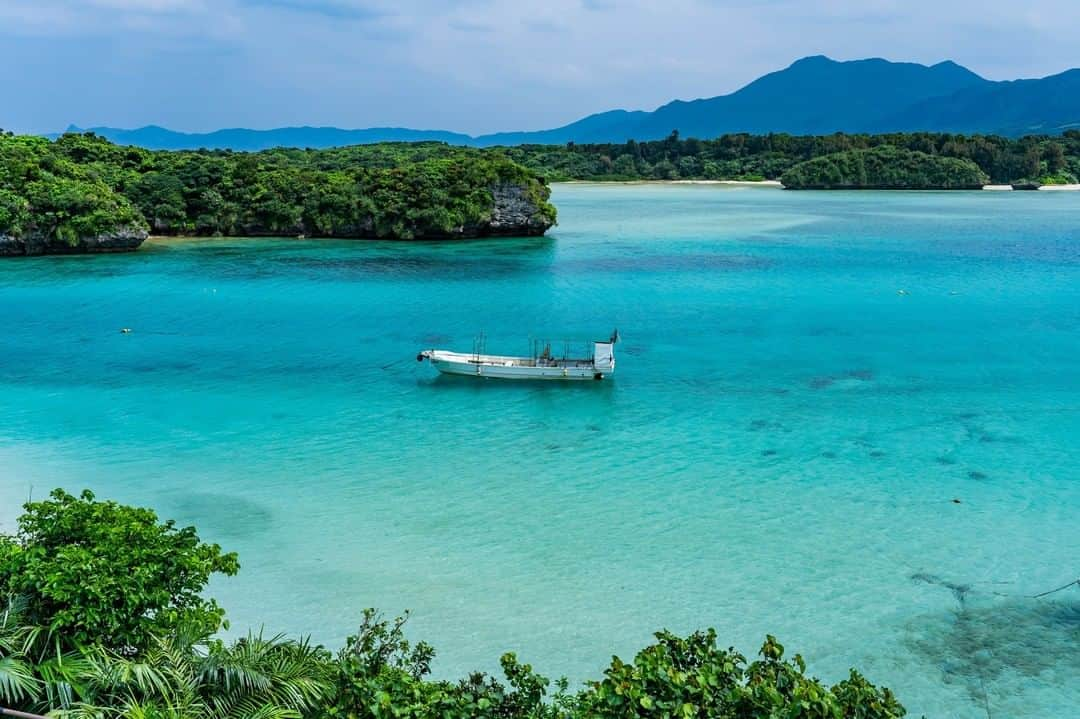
x=14, y=213
x=381, y=675
x=692, y=678
x=18, y=679
x=1059, y=178
x=184, y=676
x=101, y=573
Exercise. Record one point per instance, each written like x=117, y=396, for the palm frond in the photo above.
x=62, y=678
x=258, y=676
x=17, y=681
x=252, y=708
x=83, y=711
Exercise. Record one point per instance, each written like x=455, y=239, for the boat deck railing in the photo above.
x=571, y=351
x=506, y=360
x=565, y=363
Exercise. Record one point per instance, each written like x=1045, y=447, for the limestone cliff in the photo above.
x=518, y=211
x=122, y=239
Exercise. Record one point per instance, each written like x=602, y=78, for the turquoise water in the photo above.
x=779, y=451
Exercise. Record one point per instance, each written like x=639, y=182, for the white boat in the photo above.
x=593, y=361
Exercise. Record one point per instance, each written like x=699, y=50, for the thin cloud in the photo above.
x=146, y=6
x=470, y=26
x=336, y=9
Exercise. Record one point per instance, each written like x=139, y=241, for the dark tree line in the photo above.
x=756, y=157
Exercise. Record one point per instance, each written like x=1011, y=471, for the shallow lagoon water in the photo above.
x=778, y=453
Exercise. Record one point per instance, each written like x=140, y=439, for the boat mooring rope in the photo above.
x=1062, y=588
x=1040, y=595
x=396, y=363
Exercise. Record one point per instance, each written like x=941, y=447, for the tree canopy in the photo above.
x=757, y=157
x=101, y=573
x=885, y=168
x=81, y=185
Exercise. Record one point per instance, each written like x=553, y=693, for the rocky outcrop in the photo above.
x=9, y=246
x=517, y=210
x=122, y=239
x=517, y=213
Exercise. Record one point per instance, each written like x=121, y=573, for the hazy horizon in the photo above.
x=469, y=66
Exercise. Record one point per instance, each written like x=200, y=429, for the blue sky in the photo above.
x=467, y=65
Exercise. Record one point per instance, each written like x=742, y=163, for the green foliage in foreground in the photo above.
x=887, y=168
x=81, y=185
x=158, y=658
x=103, y=573
x=756, y=157
x=181, y=674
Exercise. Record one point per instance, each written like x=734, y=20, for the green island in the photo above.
x=103, y=616
x=82, y=193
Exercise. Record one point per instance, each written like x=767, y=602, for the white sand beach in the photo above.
x=1042, y=188
x=732, y=183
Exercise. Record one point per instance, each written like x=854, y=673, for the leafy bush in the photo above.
x=380, y=674
x=1060, y=178
x=14, y=213
x=100, y=573
x=691, y=678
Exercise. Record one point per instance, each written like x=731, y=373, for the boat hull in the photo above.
x=488, y=371
x=517, y=368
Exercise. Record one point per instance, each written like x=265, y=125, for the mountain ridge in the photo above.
x=815, y=95
x=155, y=137
x=803, y=98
